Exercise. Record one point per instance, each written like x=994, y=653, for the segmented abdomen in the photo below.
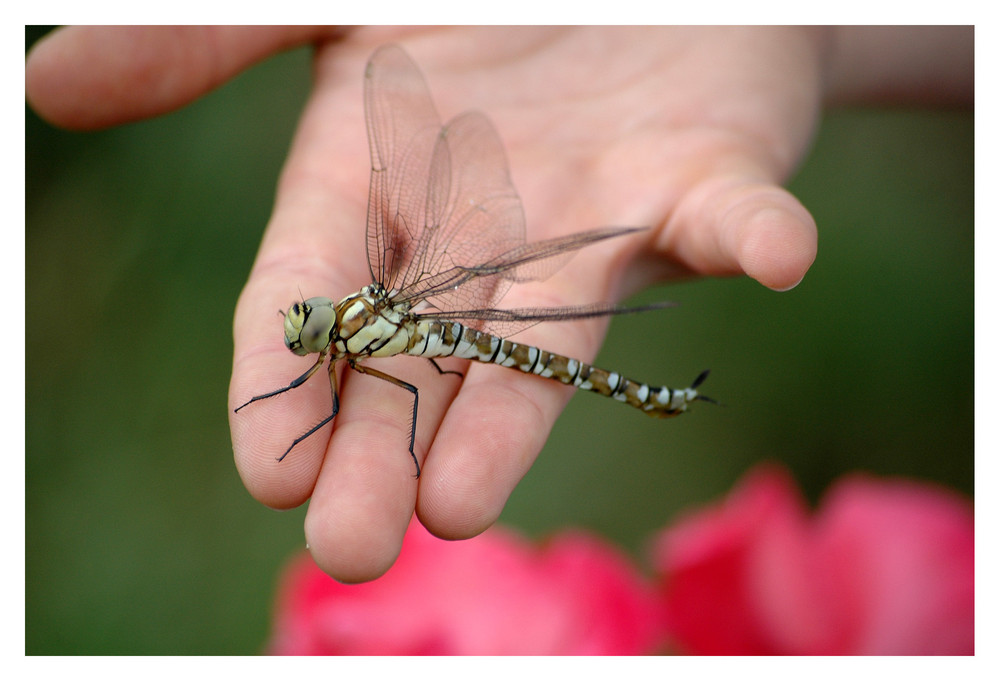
x=453, y=339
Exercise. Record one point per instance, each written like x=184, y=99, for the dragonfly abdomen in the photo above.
x=453, y=339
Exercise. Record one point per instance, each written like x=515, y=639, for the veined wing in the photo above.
x=508, y=322
x=445, y=223
x=440, y=198
x=524, y=262
x=474, y=218
x=403, y=127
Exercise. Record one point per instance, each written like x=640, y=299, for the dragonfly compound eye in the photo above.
x=308, y=325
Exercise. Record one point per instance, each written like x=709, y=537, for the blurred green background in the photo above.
x=139, y=535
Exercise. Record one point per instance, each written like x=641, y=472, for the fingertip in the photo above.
x=354, y=547
x=362, y=503
x=732, y=225
x=778, y=245
x=44, y=76
x=264, y=430
x=348, y=566
x=477, y=458
x=448, y=510
x=90, y=77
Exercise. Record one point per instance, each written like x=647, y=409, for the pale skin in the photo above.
x=689, y=131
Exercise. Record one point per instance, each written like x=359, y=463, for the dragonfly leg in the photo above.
x=361, y=369
x=336, y=409
x=443, y=371
x=291, y=386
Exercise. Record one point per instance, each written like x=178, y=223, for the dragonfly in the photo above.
x=445, y=241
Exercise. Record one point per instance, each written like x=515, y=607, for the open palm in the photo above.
x=686, y=131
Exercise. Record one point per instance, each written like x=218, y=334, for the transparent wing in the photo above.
x=445, y=223
x=474, y=215
x=403, y=126
x=508, y=322
x=524, y=262
x=439, y=197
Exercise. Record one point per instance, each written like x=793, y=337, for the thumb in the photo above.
x=87, y=77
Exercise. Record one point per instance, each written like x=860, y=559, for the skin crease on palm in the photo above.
x=690, y=131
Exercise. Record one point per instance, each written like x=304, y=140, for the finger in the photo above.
x=501, y=418
x=488, y=441
x=366, y=492
x=87, y=77
x=313, y=246
x=733, y=225
x=264, y=430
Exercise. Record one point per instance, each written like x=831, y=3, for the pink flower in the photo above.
x=496, y=594
x=882, y=568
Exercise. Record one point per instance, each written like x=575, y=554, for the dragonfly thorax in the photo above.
x=365, y=323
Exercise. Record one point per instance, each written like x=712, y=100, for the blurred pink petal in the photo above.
x=496, y=594
x=884, y=567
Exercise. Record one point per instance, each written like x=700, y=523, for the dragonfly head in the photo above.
x=308, y=325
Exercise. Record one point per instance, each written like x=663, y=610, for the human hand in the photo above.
x=688, y=131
